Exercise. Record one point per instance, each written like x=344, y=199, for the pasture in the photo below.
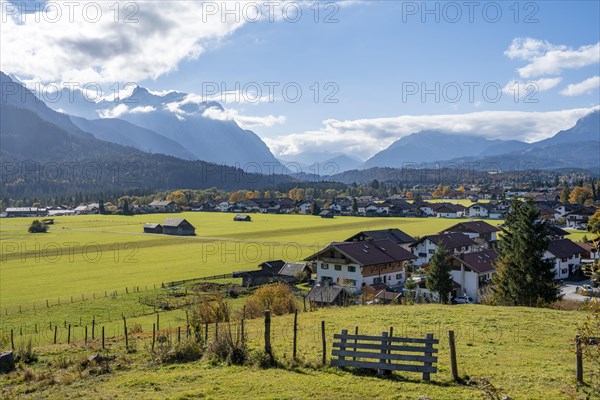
x=97, y=253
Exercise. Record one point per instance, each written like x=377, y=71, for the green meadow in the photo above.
x=90, y=255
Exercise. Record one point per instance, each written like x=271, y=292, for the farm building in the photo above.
x=327, y=214
x=178, y=226
x=242, y=218
x=274, y=271
x=326, y=295
x=153, y=228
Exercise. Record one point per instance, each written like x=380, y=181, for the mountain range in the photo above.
x=47, y=153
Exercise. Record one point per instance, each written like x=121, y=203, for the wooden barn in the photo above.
x=242, y=217
x=327, y=214
x=153, y=228
x=178, y=226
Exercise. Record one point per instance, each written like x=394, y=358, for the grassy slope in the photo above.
x=86, y=254
x=526, y=353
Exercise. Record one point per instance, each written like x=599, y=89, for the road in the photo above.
x=569, y=290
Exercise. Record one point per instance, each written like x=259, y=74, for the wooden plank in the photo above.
x=426, y=375
x=380, y=339
x=386, y=366
x=379, y=356
x=373, y=346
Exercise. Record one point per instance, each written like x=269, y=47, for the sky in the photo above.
x=345, y=77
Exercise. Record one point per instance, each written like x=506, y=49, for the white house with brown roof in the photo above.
x=454, y=243
x=357, y=264
x=472, y=271
x=566, y=256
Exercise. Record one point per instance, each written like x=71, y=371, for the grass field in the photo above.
x=92, y=254
x=524, y=353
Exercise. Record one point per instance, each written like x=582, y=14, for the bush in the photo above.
x=210, y=309
x=38, y=227
x=135, y=328
x=166, y=351
x=277, y=297
x=228, y=348
x=25, y=353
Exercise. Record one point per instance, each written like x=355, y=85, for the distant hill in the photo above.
x=577, y=147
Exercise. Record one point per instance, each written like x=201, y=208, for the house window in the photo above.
x=377, y=280
x=338, y=267
x=431, y=251
x=351, y=268
x=399, y=276
x=325, y=266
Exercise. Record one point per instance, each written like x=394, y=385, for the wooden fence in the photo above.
x=386, y=353
x=203, y=278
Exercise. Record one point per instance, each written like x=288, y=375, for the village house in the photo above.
x=303, y=207
x=478, y=210
x=566, y=257
x=327, y=213
x=395, y=235
x=242, y=218
x=579, y=218
x=447, y=210
x=25, y=212
x=356, y=264
x=163, y=206
x=453, y=243
x=178, y=226
x=476, y=230
x=472, y=271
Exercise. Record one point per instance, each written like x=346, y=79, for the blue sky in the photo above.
x=375, y=54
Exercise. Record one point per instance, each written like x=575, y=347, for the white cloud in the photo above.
x=244, y=121
x=524, y=89
x=585, y=86
x=142, y=110
x=88, y=41
x=365, y=137
x=115, y=112
x=548, y=59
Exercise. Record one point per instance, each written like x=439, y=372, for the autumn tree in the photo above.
x=580, y=194
x=564, y=195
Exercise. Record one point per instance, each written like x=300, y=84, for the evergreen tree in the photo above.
x=594, y=192
x=315, y=209
x=354, y=205
x=564, y=195
x=126, y=210
x=439, y=279
x=101, y=208
x=522, y=277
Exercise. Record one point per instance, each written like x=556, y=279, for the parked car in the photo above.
x=584, y=290
x=579, y=227
x=463, y=300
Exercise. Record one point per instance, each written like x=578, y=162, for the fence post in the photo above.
x=243, y=333
x=343, y=344
x=453, y=364
x=93, y=329
x=178, y=334
x=153, y=335
x=579, y=360
x=69, y=335
x=86, y=333
x=12, y=340
x=324, y=342
x=102, y=338
x=205, y=332
x=217, y=329
x=55, y=332
x=125, y=331
x=157, y=321
x=355, y=341
x=295, y=333
x=268, y=348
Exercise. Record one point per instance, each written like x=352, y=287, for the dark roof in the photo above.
x=393, y=234
x=562, y=248
x=448, y=240
x=556, y=231
x=274, y=266
x=175, y=222
x=370, y=252
x=481, y=261
x=292, y=269
x=324, y=293
x=151, y=226
x=161, y=202
x=386, y=295
x=473, y=226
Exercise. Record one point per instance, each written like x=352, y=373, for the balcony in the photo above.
x=335, y=260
